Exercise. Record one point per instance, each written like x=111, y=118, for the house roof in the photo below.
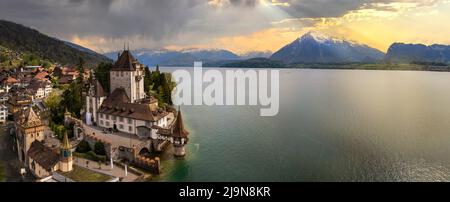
x=41, y=75
x=125, y=62
x=44, y=156
x=28, y=118
x=65, y=79
x=10, y=80
x=118, y=104
x=98, y=89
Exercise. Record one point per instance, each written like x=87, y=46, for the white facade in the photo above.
x=131, y=81
x=127, y=125
x=3, y=113
x=93, y=104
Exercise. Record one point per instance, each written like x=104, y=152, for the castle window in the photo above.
x=107, y=116
x=130, y=129
x=129, y=121
x=121, y=119
x=121, y=126
x=107, y=124
x=121, y=73
x=101, y=122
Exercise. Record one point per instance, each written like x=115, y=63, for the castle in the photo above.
x=127, y=109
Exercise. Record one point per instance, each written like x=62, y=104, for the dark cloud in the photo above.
x=159, y=22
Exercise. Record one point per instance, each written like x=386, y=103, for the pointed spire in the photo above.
x=66, y=143
x=179, y=130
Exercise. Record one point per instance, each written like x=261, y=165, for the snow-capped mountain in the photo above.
x=315, y=47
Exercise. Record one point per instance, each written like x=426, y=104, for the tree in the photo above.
x=83, y=147
x=72, y=98
x=147, y=80
x=99, y=148
x=80, y=69
x=102, y=75
x=56, y=110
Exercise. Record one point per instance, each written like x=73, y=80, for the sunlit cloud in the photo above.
x=238, y=25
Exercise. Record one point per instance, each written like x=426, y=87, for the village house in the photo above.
x=39, y=89
x=3, y=113
x=18, y=102
x=7, y=83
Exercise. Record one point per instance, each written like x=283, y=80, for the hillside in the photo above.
x=29, y=41
x=407, y=53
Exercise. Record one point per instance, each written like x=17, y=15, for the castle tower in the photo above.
x=94, y=99
x=180, y=136
x=128, y=73
x=29, y=128
x=66, y=159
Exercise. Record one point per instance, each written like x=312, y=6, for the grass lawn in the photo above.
x=80, y=174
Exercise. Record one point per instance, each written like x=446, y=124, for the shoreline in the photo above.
x=381, y=67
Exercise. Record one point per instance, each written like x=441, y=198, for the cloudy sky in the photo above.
x=237, y=25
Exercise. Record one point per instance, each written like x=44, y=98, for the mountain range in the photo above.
x=19, y=38
x=406, y=53
x=187, y=57
x=314, y=47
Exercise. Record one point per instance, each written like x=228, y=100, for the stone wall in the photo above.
x=152, y=165
x=91, y=139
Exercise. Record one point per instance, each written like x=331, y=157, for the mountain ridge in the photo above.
x=409, y=52
x=20, y=38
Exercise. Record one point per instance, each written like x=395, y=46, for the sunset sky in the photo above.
x=237, y=25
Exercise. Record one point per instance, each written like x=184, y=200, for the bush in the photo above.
x=83, y=147
x=90, y=156
x=99, y=148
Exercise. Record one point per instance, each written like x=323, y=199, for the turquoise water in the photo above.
x=333, y=125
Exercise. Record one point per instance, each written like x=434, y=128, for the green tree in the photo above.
x=72, y=98
x=83, y=147
x=99, y=148
x=102, y=75
x=80, y=68
x=55, y=109
x=147, y=80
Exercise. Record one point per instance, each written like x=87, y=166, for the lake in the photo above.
x=333, y=125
